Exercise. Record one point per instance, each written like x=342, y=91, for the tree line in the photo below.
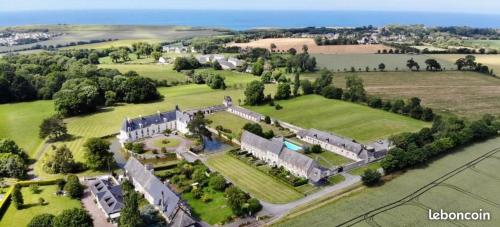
x=446, y=134
x=75, y=83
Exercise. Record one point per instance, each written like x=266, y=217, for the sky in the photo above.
x=456, y=6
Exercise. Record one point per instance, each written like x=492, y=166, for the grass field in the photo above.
x=205, y=210
x=339, y=63
x=359, y=122
x=115, y=43
x=153, y=71
x=284, y=44
x=251, y=180
x=55, y=205
x=108, y=120
x=172, y=142
x=458, y=193
x=235, y=124
x=360, y=170
x=20, y=122
x=329, y=159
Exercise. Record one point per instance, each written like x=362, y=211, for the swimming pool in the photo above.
x=292, y=146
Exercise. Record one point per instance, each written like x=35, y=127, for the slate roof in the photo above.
x=108, y=195
x=153, y=186
x=333, y=139
x=225, y=64
x=182, y=219
x=246, y=111
x=275, y=145
x=146, y=121
x=261, y=143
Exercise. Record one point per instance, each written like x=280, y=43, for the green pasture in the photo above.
x=356, y=121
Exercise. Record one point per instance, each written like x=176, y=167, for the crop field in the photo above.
x=437, y=186
x=284, y=44
x=20, y=122
x=54, y=205
x=359, y=122
x=251, y=180
x=344, y=62
x=125, y=33
x=235, y=124
x=492, y=61
x=466, y=94
x=483, y=43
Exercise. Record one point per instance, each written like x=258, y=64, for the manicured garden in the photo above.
x=170, y=142
x=54, y=204
x=251, y=180
x=357, y=121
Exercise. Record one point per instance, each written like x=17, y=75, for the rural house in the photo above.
x=275, y=153
x=108, y=195
x=157, y=193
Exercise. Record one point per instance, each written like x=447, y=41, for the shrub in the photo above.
x=197, y=193
x=34, y=188
x=278, y=107
x=17, y=197
x=41, y=220
x=73, y=187
x=75, y=217
x=316, y=149
x=371, y=177
x=217, y=182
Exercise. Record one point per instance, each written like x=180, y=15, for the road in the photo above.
x=278, y=210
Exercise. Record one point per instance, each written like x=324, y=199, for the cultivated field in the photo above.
x=251, y=180
x=483, y=43
x=452, y=182
x=462, y=93
x=343, y=62
x=492, y=61
x=284, y=44
x=20, y=122
x=54, y=205
x=359, y=122
x=153, y=71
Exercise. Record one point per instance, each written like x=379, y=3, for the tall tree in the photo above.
x=355, y=90
x=53, y=127
x=296, y=84
x=197, y=126
x=73, y=187
x=75, y=217
x=283, y=91
x=254, y=93
x=97, y=153
x=130, y=215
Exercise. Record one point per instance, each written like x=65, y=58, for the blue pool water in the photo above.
x=292, y=146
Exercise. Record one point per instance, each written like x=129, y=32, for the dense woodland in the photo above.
x=72, y=79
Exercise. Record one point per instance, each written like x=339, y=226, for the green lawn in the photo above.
x=20, y=122
x=171, y=142
x=115, y=43
x=360, y=170
x=357, y=121
x=253, y=181
x=213, y=212
x=108, y=121
x=55, y=204
x=236, y=123
x=153, y=71
x=470, y=190
x=329, y=159
x=336, y=179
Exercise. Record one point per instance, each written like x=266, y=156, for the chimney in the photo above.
x=158, y=112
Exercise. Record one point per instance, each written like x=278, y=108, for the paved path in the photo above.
x=97, y=215
x=278, y=210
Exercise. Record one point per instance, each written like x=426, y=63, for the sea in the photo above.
x=243, y=19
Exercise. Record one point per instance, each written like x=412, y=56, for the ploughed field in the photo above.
x=356, y=121
x=465, y=94
x=284, y=44
x=462, y=183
